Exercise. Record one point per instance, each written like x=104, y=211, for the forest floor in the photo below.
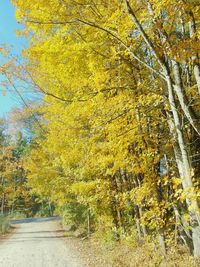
x=37, y=243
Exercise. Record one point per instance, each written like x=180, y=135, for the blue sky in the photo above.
x=8, y=26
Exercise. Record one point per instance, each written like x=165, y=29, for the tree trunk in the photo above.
x=182, y=229
x=88, y=223
x=197, y=75
x=178, y=88
x=161, y=241
x=137, y=219
x=144, y=230
x=195, y=58
x=184, y=168
x=2, y=204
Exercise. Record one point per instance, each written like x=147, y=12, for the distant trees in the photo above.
x=14, y=194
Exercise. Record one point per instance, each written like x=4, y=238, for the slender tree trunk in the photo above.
x=2, y=204
x=50, y=208
x=144, y=230
x=197, y=75
x=178, y=88
x=137, y=220
x=182, y=229
x=3, y=196
x=88, y=223
x=161, y=241
x=195, y=58
x=140, y=209
x=184, y=167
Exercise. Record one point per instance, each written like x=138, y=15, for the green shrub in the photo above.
x=17, y=215
x=4, y=225
x=74, y=213
x=44, y=211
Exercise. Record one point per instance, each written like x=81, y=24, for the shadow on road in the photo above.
x=36, y=239
x=38, y=232
x=35, y=220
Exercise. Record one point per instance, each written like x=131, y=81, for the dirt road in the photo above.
x=37, y=243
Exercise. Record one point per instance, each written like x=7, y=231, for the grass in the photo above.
x=16, y=216
x=4, y=225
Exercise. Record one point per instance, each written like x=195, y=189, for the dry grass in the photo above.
x=96, y=253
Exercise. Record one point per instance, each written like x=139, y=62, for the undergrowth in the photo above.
x=4, y=225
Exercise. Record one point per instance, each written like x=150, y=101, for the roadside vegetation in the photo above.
x=131, y=253
x=4, y=225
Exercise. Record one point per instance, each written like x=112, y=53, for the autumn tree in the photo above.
x=120, y=81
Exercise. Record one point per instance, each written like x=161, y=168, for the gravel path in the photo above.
x=37, y=243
